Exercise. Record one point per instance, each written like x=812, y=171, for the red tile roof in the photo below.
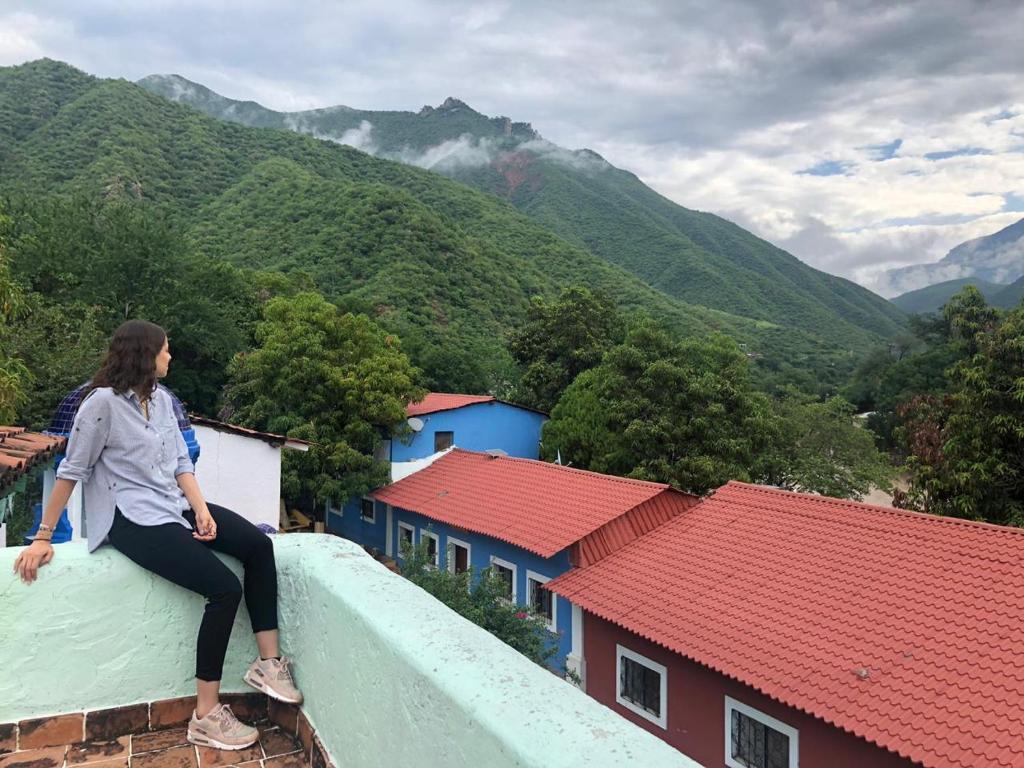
x=904, y=629
x=20, y=449
x=540, y=507
x=443, y=401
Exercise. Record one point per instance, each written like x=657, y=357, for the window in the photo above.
x=506, y=571
x=405, y=537
x=542, y=601
x=431, y=544
x=383, y=451
x=756, y=740
x=642, y=686
x=458, y=555
x=367, y=510
x=443, y=441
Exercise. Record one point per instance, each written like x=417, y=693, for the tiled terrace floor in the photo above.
x=33, y=743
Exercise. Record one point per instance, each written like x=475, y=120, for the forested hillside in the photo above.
x=698, y=257
x=933, y=297
x=446, y=267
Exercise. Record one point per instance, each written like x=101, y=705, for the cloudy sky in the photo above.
x=858, y=135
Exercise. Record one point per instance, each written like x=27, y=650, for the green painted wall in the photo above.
x=391, y=676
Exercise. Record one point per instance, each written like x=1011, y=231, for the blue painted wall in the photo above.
x=481, y=550
x=350, y=524
x=477, y=427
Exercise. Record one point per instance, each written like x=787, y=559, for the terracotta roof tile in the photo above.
x=444, y=401
x=19, y=450
x=538, y=506
x=904, y=629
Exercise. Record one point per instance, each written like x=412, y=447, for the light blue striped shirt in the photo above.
x=123, y=460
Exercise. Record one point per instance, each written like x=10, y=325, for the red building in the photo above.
x=773, y=629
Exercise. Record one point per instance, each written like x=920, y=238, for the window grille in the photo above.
x=640, y=685
x=757, y=745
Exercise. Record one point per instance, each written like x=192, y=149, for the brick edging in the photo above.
x=135, y=719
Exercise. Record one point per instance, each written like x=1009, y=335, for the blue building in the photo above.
x=439, y=422
x=528, y=520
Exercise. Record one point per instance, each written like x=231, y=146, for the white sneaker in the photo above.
x=274, y=678
x=221, y=729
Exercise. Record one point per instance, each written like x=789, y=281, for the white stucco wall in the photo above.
x=240, y=473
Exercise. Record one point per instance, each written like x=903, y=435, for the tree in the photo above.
x=819, y=449
x=335, y=379
x=62, y=344
x=887, y=379
x=481, y=598
x=684, y=413
x=123, y=260
x=14, y=376
x=562, y=339
x=967, y=451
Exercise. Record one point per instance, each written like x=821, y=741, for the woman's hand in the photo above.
x=36, y=554
x=206, y=528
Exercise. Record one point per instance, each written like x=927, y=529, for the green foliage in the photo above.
x=819, y=448
x=686, y=413
x=91, y=264
x=335, y=379
x=933, y=298
x=967, y=449
x=14, y=376
x=657, y=409
x=62, y=344
x=447, y=268
x=560, y=340
x=696, y=257
x=887, y=379
x=481, y=598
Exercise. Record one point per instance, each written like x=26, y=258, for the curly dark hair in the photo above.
x=131, y=358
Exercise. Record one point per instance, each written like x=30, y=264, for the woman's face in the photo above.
x=163, y=360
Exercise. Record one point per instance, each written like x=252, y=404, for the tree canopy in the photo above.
x=14, y=376
x=687, y=413
x=336, y=379
x=683, y=412
x=560, y=340
x=88, y=265
x=966, y=449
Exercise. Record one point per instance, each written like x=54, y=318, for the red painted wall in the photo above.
x=696, y=706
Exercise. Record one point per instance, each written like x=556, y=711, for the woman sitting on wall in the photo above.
x=141, y=497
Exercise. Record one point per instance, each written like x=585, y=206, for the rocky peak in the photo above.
x=451, y=104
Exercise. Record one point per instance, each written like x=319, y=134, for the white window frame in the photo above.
x=756, y=714
x=450, y=561
x=495, y=560
x=621, y=652
x=372, y=520
x=403, y=526
x=437, y=543
x=534, y=576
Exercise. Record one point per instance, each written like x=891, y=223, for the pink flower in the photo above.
x=522, y=615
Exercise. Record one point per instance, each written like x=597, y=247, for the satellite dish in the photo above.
x=496, y=452
x=416, y=425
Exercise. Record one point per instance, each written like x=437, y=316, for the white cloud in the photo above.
x=463, y=152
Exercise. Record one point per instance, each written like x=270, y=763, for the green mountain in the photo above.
x=446, y=267
x=697, y=257
x=934, y=297
x=1009, y=296
x=995, y=258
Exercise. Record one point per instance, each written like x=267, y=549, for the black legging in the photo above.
x=169, y=551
